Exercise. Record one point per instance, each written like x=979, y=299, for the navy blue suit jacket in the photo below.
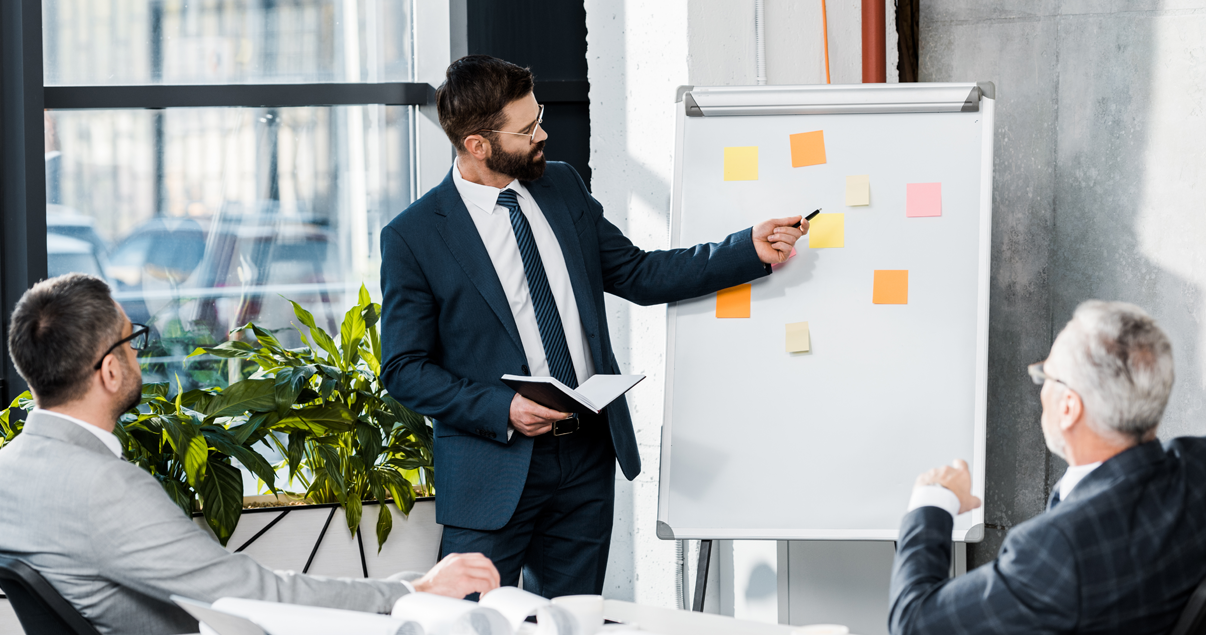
x=448, y=334
x=1121, y=555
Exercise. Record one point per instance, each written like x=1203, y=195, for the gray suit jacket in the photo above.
x=106, y=536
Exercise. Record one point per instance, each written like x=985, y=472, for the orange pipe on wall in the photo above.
x=875, y=62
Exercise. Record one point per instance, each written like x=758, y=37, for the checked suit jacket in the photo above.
x=448, y=333
x=1121, y=554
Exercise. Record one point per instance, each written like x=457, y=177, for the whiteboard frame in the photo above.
x=854, y=99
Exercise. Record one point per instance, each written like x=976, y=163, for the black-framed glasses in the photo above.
x=535, y=125
x=138, y=338
x=1038, y=375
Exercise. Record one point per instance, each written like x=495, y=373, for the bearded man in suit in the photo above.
x=501, y=269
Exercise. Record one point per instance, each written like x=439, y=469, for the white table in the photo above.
x=678, y=622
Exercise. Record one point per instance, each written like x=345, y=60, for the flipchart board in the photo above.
x=803, y=406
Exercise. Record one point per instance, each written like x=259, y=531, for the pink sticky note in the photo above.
x=789, y=257
x=924, y=199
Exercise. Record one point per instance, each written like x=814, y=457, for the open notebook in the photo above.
x=592, y=396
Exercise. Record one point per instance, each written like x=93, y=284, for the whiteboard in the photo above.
x=759, y=443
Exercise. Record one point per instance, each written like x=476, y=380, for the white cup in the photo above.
x=587, y=609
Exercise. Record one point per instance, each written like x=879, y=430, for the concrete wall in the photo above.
x=1097, y=170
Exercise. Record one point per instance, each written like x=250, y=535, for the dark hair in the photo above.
x=56, y=332
x=476, y=88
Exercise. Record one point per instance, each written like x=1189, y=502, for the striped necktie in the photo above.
x=548, y=319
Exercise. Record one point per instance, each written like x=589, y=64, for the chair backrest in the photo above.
x=41, y=610
x=1193, y=616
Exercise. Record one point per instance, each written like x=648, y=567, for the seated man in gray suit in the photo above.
x=101, y=530
x=1123, y=542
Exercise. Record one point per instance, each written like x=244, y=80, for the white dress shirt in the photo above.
x=493, y=223
x=939, y=496
x=105, y=436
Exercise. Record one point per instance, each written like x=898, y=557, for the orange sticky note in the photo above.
x=734, y=302
x=923, y=199
x=807, y=148
x=891, y=286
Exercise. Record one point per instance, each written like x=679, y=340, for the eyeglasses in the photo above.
x=138, y=338
x=1038, y=376
x=535, y=125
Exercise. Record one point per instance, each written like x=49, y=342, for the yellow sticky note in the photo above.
x=797, y=338
x=741, y=163
x=891, y=287
x=858, y=190
x=827, y=230
x=734, y=302
x=807, y=148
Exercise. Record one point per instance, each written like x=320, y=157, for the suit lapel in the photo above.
x=460, y=235
x=553, y=206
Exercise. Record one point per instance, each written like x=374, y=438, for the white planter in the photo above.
x=297, y=537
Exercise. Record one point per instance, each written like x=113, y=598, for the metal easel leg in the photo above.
x=701, y=575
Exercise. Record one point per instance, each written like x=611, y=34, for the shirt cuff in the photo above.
x=409, y=587
x=935, y=496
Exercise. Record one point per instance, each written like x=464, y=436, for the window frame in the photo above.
x=25, y=99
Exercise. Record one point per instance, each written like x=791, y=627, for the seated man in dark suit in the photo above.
x=1123, y=542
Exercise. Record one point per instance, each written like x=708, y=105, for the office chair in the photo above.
x=1193, y=617
x=41, y=610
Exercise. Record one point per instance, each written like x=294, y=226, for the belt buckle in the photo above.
x=563, y=427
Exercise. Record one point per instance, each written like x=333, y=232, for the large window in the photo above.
x=202, y=218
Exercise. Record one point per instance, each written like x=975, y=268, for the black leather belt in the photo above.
x=567, y=426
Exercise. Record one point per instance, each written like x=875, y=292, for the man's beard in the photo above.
x=517, y=165
x=133, y=390
x=1055, y=442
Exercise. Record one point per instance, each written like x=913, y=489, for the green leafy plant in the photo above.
x=322, y=406
x=325, y=409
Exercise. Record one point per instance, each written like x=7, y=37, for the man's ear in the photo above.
x=477, y=147
x=111, y=373
x=1072, y=409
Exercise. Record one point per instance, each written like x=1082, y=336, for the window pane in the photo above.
x=241, y=207
x=226, y=41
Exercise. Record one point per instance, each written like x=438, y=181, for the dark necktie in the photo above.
x=1054, y=499
x=552, y=335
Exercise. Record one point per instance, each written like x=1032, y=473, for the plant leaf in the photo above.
x=289, y=384
x=320, y=336
x=385, y=524
x=320, y=419
x=353, y=510
x=228, y=349
x=225, y=443
x=191, y=448
x=351, y=332
x=333, y=467
x=248, y=430
x=255, y=395
x=221, y=494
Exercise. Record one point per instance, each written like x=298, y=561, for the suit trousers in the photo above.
x=560, y=533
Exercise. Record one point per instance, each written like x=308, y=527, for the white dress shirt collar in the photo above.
x=1073, y=477
x=484, y=197
x=105, y=436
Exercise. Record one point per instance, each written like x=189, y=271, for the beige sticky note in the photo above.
x=797, y=338
x=858, y=190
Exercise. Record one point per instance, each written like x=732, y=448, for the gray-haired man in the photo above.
x=101, y=530
x=1123, y=542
